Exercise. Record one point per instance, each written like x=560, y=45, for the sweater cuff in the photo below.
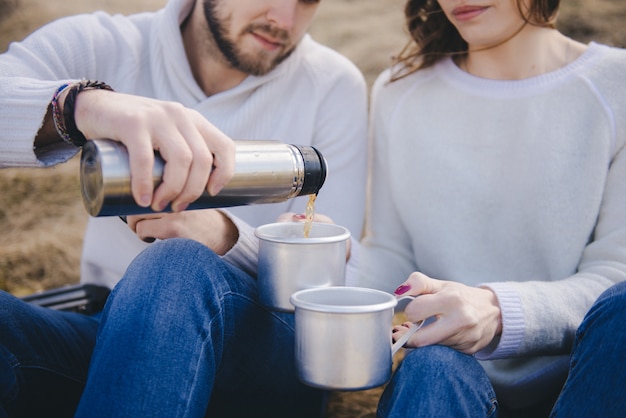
x=245, y=253
x=23, y=115
x=513, y=326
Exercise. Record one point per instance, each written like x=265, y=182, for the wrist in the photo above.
x=64, y=106
x=229, y=235
x=494, y=304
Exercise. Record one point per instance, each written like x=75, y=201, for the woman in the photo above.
x=498, y=188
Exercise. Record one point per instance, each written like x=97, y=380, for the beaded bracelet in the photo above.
x=65, y=124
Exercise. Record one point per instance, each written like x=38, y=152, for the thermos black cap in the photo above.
x=315, y=170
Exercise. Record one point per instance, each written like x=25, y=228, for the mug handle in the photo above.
x=407, y=335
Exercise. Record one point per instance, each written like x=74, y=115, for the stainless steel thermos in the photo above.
x=265, y=172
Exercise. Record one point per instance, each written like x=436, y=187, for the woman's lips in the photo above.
x=465, y=13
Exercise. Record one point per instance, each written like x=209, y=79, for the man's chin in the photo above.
x=258, y=66
x=257, y=60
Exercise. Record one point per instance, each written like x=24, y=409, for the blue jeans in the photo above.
x=184, y=330
x=44, y=356
x=438, y=381
x=183, y=334
x=595, y=384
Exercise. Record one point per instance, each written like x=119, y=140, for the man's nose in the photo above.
x=282, y=13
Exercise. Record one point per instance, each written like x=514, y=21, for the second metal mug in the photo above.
x=343, y=337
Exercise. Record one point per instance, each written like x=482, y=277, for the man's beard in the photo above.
x=258, y=64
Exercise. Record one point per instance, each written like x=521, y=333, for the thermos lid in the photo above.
x=315, y=170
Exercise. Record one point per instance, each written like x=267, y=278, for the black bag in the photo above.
x=82, y=298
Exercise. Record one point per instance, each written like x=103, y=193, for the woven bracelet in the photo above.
x=57, y=117
x=72, y=134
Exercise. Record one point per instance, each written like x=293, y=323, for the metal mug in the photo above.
x=343, y=337
x=289, y=261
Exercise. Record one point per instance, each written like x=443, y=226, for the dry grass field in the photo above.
x=41, y=214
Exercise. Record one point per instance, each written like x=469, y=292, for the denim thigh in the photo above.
x=44, y=357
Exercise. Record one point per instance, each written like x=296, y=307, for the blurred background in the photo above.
x=41, y=214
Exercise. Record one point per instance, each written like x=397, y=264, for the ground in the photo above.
x=42, y=218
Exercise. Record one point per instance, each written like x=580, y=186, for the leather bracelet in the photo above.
x=72, y=134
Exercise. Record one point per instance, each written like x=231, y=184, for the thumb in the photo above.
x=286, y=217
x=418, y=284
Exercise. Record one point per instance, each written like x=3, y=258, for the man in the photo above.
x=182, y=333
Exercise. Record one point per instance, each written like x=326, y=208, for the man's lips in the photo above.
x=465, y=13
x=267, y=41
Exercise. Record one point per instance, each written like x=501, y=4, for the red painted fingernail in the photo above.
x=402, y=289
x=299, y=216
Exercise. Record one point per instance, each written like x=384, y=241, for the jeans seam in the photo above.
x=261, y=306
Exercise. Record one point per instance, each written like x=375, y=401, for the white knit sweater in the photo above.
x=316, y=97
x=519, y=185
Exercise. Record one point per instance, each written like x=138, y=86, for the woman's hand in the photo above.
x=197, y=155
x=467, y=318
x=301, y=217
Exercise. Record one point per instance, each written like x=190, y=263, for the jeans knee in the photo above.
x=613, y=297
x=612, y=302
x=438, y=381
x=607, y=314
x=179, y=264
x=8, y=305
x=181, y=274
x=13, y=317
x=428, y=362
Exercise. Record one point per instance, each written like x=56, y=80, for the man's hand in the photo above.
x=467, y=318
x=209, y=227
x=197, y=155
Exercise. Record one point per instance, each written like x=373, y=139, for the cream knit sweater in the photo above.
x=316, y=97
x=518, y=185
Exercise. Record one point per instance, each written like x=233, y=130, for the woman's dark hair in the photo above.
x=434, y=37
